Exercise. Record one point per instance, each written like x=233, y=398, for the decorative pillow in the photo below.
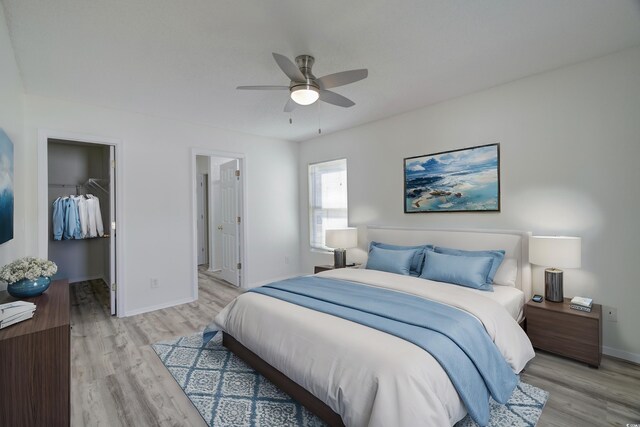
x=392, y=261
x=507, y=273
x=469, y=271
x=496, y=256
x=418, y=257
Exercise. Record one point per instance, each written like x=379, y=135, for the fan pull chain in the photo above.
x=290, y=120
x=318, y=115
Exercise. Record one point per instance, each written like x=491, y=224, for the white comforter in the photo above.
x=369, y=377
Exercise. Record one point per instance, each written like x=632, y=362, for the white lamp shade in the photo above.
x=555, y=251
x=341, y=238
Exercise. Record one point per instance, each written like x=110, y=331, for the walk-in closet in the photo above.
x=81, y=196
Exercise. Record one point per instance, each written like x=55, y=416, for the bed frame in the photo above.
x=297, y=392
x=514, y=243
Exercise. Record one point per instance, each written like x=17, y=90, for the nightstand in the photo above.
x=556, y=328
x=318, y=268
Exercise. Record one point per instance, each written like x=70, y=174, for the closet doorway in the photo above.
x=218, y=211
x=77, y=186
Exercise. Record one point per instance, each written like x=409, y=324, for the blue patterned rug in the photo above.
x=227, y=392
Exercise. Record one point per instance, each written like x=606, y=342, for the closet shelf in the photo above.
x=97, y=183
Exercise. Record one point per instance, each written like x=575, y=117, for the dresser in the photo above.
x=35, y=362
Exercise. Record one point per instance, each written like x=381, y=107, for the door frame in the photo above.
x=242, y=229
x=44, y=135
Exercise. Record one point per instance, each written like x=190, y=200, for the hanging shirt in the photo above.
x=57, y=219
x=98, y=215
x=71, y=219
x=83, y=217
x=77, y=231
x=92, y=231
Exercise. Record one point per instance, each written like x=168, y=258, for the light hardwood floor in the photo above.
x=117, y=379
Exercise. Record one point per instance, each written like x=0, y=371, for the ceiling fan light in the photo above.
x=305, y=95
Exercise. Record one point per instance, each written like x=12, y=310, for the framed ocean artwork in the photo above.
x=6, y=188
x=465, y=180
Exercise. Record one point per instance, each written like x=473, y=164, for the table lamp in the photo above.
x=339, y=240
x=556, y=251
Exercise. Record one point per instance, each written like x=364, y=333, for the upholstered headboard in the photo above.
x=514, y=243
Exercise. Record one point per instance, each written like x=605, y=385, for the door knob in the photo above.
x=220, y=227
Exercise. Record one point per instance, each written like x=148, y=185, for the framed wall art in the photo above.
x=6, y=188
x=465, y=180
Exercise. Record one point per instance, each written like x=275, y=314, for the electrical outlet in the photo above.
x=611, y=314
x=154, y=283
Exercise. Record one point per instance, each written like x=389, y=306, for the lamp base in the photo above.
x=553, y=285
x=339, y=258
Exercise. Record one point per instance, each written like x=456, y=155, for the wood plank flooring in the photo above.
x=117, y=380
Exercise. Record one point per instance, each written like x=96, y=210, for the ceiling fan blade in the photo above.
x=262, y=87
x=342, y=78
x=290, y=106
x=335, y=99
x=288, y=67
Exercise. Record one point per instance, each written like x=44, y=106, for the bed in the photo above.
x=351, y=374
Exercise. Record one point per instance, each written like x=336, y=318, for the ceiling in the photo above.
x=183, y=59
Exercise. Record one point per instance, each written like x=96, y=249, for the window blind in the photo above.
x=327, y=199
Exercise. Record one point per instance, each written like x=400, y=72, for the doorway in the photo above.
x=77, y=212
x=218, y=221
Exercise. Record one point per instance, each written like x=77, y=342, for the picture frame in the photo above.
x=462, y=180
x=6, y=188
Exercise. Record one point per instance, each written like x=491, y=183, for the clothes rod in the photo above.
x=65, y=185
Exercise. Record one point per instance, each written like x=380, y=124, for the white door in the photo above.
x=202, y=218
x=229, y=184
x=112, y=227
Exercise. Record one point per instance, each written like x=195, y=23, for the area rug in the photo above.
x=227, y=392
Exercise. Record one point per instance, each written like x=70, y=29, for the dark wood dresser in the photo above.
x=554, y=327
x=35, y=362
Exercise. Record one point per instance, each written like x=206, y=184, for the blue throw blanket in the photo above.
x=454, y=338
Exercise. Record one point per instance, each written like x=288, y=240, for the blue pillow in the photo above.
x=393, y=261
x=469, y=271
x=418, y=257
x=496, y=256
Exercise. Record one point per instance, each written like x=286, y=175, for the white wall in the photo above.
x=202, y=164
x=12, y=121
x=156, y=228
x=570, y=146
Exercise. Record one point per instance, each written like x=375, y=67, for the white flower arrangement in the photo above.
x=27, y=268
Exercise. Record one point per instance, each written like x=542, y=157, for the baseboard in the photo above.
x=621, y=354
x=275, y=279
x=158, y=306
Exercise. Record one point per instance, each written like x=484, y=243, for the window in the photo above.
x=327, y=199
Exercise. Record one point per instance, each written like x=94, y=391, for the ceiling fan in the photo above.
x=305, y=88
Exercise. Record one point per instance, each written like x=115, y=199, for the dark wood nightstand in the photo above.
x=318, y=268
x=556, y=328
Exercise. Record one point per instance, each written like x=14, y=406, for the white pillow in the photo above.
x=507, y=273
